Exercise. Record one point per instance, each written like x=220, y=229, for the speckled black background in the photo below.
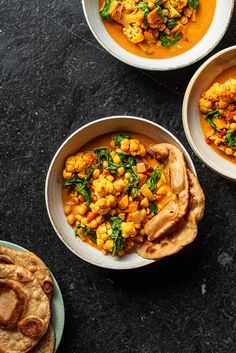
x=54, y=77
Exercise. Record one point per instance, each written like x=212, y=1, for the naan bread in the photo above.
x=176, y=174
x=184, y=232
x=33, y=263
x=47, y=343
x=24, y=310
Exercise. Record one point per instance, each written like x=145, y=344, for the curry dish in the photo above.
x=131, y=196
x=218, y=120
x=157, y=29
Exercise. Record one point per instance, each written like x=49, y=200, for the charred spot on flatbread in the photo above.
x=32, y=326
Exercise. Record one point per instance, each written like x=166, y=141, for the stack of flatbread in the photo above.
x=26, y=291
x=176, y=224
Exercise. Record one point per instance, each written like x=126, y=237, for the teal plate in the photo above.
x=58, y=310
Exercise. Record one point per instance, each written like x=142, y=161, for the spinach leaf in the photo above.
x=105, y=13
x=132, y=188
x=230, y=139
x=171, y=23
x=119, y=138
x=153, y=179
x=213, y=114
x=91, y=233
x=193, y=3
x=116, y=235
x=157, y=3
x=144, y=6
x=81, y=186
x=168, y=42
x=103, y=154
x=160, y=11
x=153, y=207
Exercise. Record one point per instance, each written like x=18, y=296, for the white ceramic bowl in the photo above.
x=201, y=80
x=213, y=36
x=54, y=184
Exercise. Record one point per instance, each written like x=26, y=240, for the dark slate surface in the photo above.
x=54, y=78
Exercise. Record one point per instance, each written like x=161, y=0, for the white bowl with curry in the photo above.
x=122, y=192
x=209, y=113
x=158, y=34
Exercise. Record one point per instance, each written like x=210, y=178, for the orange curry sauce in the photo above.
x=194, y=33
x=224, y=76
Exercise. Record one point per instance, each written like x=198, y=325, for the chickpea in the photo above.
x=151, y=5
x=217, y=141
x=127, y=175
x=105, y=163
x=83, y=221
x=110, y=177
x=96, y=173
x=116, y=159
x=131, y=199
x=165, y=12
x=71, y=219
x=144, y=203
x=121, y=170
x=167, y=31
x=233, y=126
x=184, y=20
x=67, y=209
x=229, y=151
x=93, y=224
x=82, y=210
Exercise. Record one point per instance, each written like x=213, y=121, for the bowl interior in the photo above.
x=55, y=180
x=208, y=42
x=191, y=115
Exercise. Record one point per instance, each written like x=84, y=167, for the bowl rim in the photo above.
x=83, y=127
x=188, y=91
x=154, y=68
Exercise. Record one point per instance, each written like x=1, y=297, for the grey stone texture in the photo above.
x=54, y=77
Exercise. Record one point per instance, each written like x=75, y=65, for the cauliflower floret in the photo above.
x=104, y=205
x=218, y=96
x=129, y=5
x=134, y=33
x=128, y=229
x=179, y=4
x=133, y=147
x=78, y=164
x=173, y=13
x=103, y=186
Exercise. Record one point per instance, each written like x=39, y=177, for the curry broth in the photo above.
x=104, y=141
x=194, y=33
x=221, y=78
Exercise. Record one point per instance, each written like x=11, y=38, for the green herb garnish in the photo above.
x=160, y=11
x=167, y=42
x=213, y=114
x=119, y=138
x=132, y=188
x=171, y=23
x=105, y=13
x=230, y=139
x=103, y=154
x=153, y=179
x=153, y=207
x=193, y=3
x=116, y=235
x=81, y=186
